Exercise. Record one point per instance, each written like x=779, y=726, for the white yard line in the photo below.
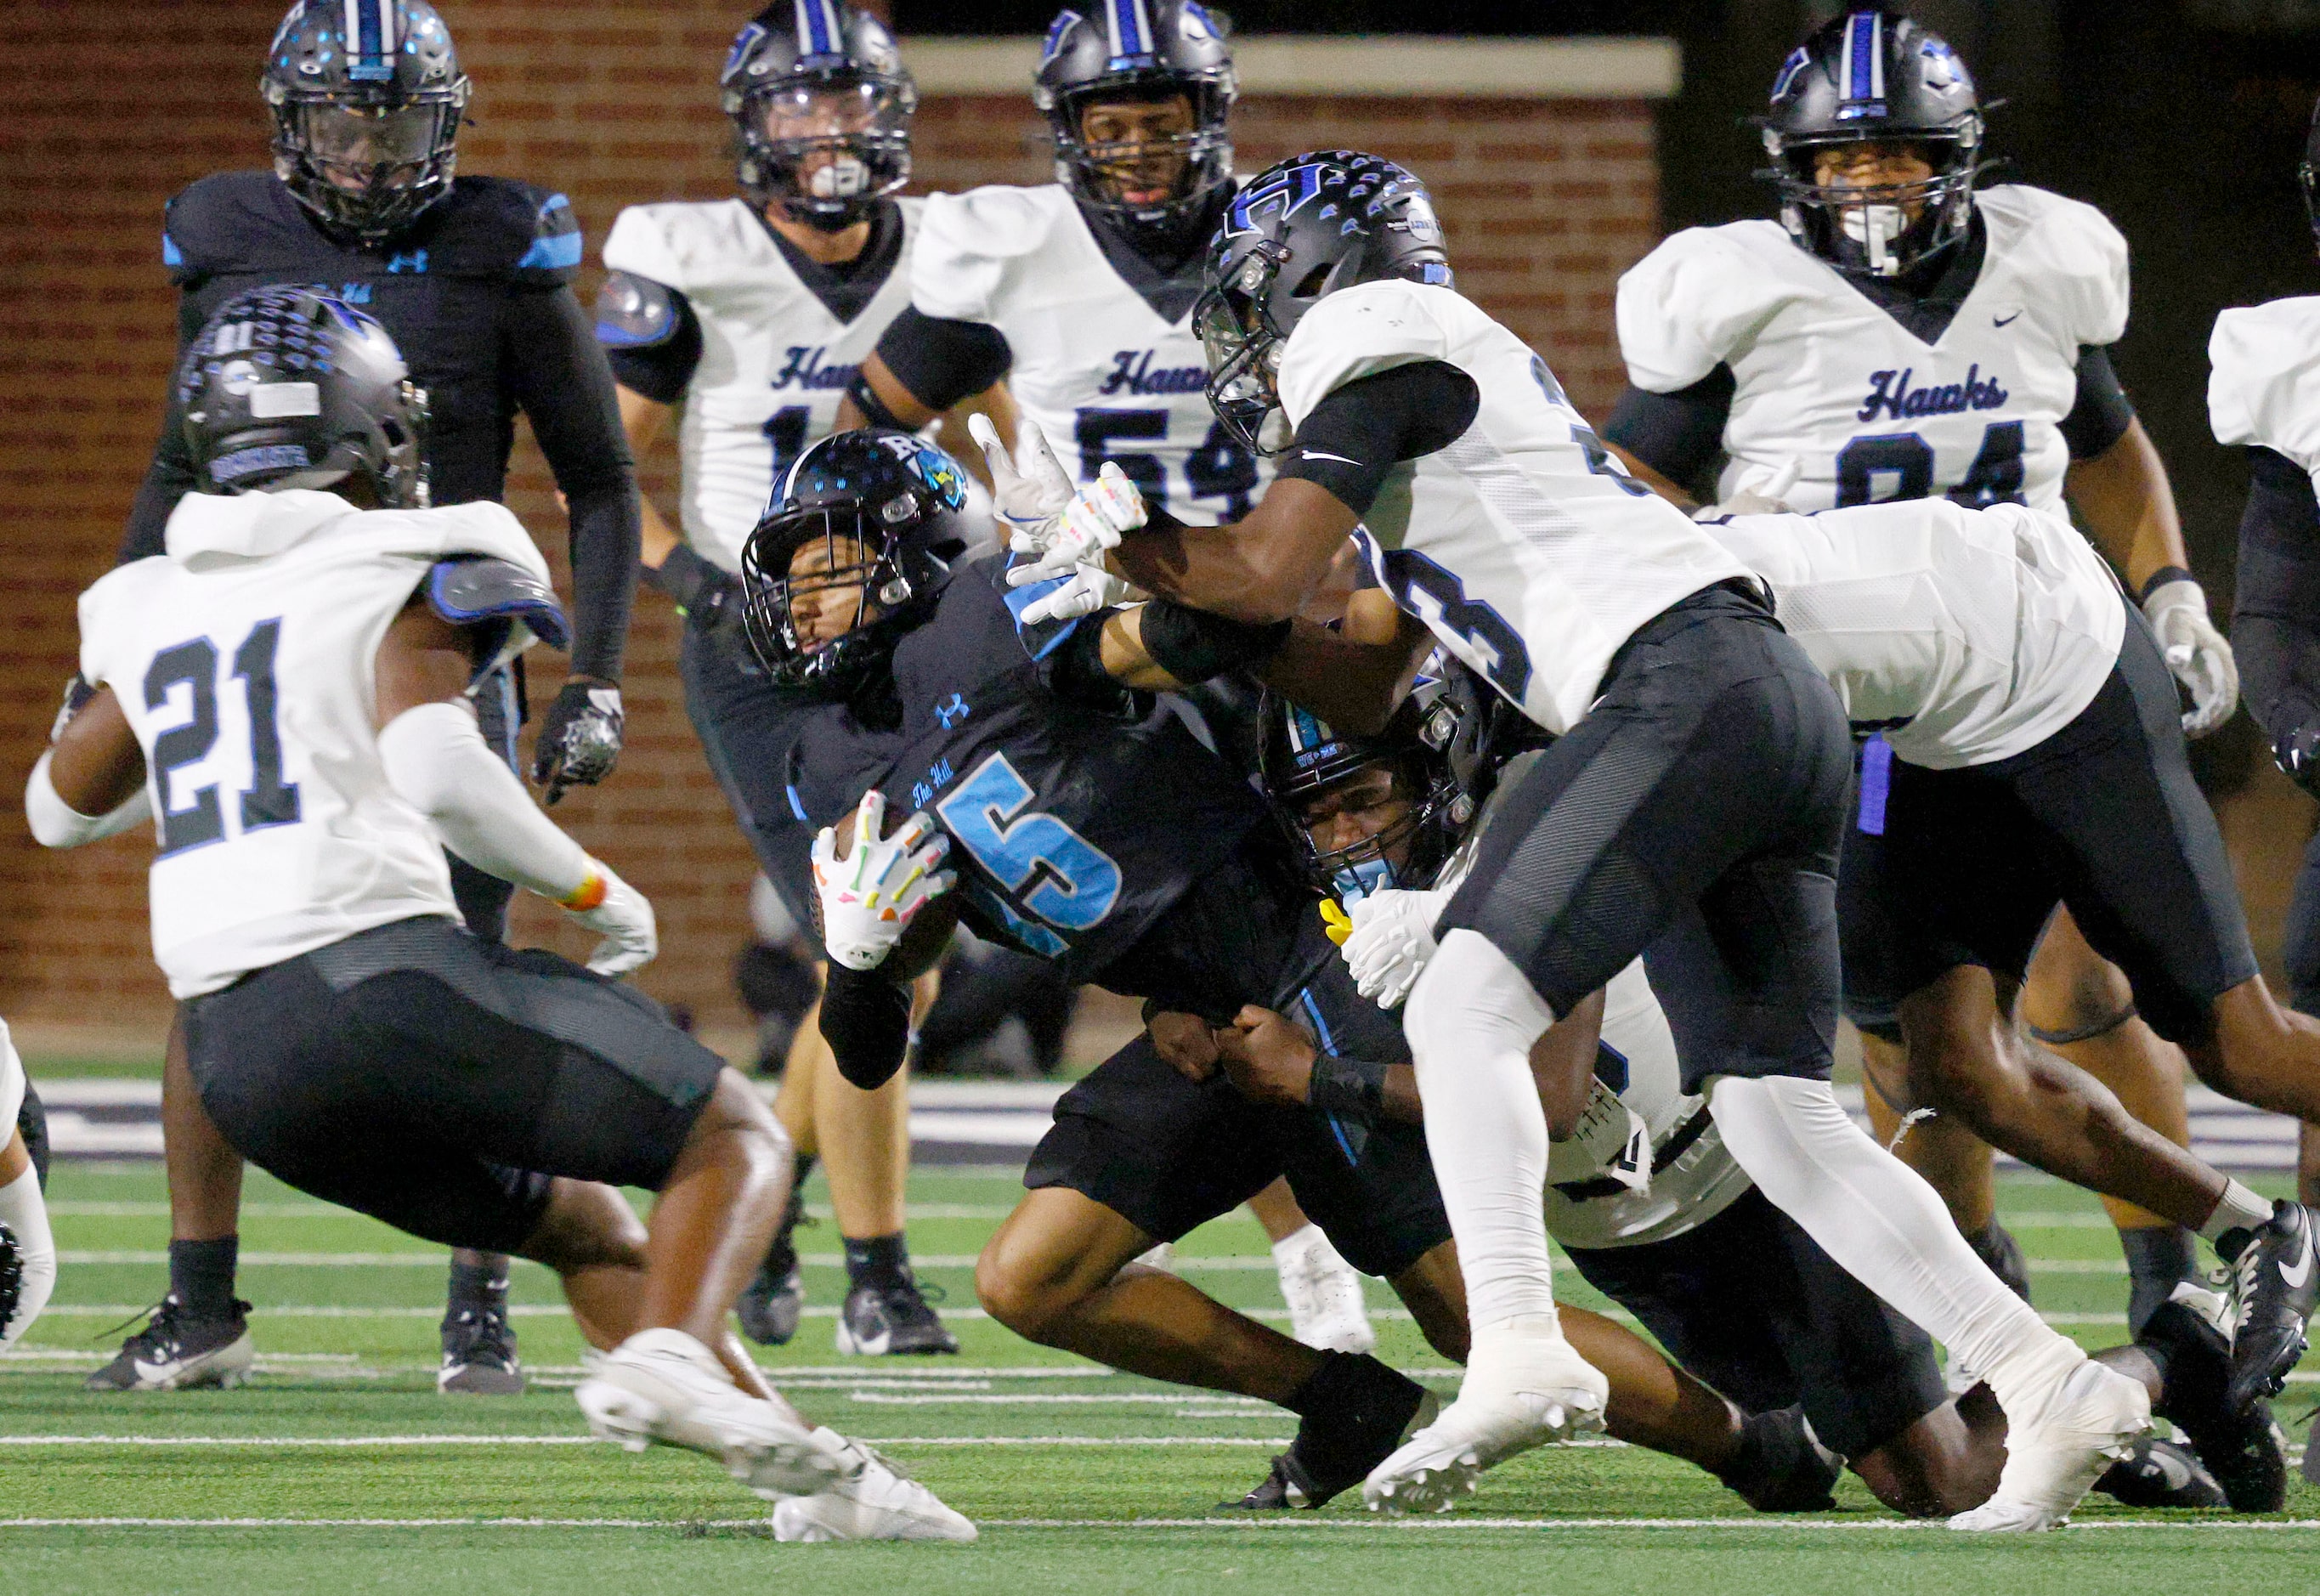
x=584, y=1440
x=1299, y=1524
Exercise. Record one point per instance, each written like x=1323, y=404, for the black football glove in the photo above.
x=2296, y=751
x=579, y=739
x=77, y=692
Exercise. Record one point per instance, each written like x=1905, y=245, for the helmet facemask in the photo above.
x=1885, y=230
x=828, y=595
x=1243, y=345
x=1110, y=154
x=823, y=149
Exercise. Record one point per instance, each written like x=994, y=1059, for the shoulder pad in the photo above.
x=498, y=226
x=221, y=221
x=965, y=244
x=634, y=313
x=1357, y=333
x=1701, y=294
x=497, y=595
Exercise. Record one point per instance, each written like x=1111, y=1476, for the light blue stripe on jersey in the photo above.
x=170, y=254
x=556, y=252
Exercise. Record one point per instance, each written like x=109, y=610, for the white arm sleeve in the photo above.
x=23, y=1211
x=437, y=761
x=57, y=825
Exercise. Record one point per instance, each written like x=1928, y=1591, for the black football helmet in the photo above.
x=883, y=507
x=367, y=96
x=291, y=386
x=1138, y=51
x=1873, y=76
x=822, y=109
x=1304, y=228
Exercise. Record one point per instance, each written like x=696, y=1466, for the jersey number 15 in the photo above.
x=267, y=799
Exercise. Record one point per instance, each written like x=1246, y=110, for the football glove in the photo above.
x=77, y=692
x=870, y=897
x=1029, y=491
x=1094, y=521
x=618, y=913
x=2199, y=656
x=1761, y=492
x=2296, y=752
x=1082, y=592
x=1391, y=940
x=580, y=739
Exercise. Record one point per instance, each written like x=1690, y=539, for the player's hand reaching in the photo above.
x=620, y=915
x=580, y=738
x=1268, y=1057
x=870, y=897
x=2296, y=752
x=1392, y=939
x=1185, y=1043
x=1030, y=490
x=1098, y=516
x=2199, y=656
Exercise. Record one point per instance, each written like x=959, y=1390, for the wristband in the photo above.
x=686, y=578
x=2161, y=578
x=589, y=895
x=1349, y=1088
x=872, y=408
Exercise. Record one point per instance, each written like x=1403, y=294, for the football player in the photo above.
x=28, y=1250
x=471, y=276
x=1647, y=1202
x=1696, y=791
x=289, y=691
x=1899, y=333
x=753, y=314
x=1088, y=828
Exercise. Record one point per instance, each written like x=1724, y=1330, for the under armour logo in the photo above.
x=950, y=714
x=413, y=261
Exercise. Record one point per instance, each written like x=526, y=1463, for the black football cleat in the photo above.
x=772, y=1304
x=12, y=1276
x=2242, y=1447
x=178, y=1352
x=479, y=1357
x=890, y=1319
x=1359, y=1413
x=2156, y=1474
x=1781, y=1468
x=2275, y=1284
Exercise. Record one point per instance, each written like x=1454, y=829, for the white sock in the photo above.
x=1296, y=1244
x=1887, y=1228
x=1471, y=1022
x=2238, y=1209
x=24, y=1212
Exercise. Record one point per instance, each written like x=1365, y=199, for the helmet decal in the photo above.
x=1131, y=33
x=1281, y=192
x=1862, y=85
x=819, y=31
x=1799, y=60
x=1053, y=45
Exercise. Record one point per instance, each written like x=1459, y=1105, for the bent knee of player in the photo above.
x=587, y=1225
x=737, y=1126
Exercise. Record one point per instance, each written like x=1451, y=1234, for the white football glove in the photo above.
x=1761, y=492
x=1391, y=940
x=1094, y=521
x=1029, y=491
x=2199, y=656
x=870, y=897
x=1083, y=592
x=620, y=915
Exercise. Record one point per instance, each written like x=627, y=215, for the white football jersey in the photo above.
x=1825, y=378
x=1103, y=375
x=1655, y=1159
x=1986, y=630
x=2263, y=387
x=774, y=361
x=243, y=659
x=1523, y=545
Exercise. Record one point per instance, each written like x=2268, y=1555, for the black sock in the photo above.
x=478, y=1288
x=781, y=1256
x=2159, y=1259
x=880, y=1261
x=1353, y=1409
x=200, y=1276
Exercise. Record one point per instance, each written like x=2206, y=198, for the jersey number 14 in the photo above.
x=267, y=799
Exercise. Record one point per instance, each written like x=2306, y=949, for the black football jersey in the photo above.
x=1073, y=830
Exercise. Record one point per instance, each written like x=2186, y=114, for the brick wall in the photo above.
x=1544, y=203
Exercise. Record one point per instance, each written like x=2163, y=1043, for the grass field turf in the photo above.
x=349, y=1471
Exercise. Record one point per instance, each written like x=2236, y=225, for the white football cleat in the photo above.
x=1525, y=1386
x=662, y=1387
x=2051, y=1461
x=1325, y=1308
x=873, y=1501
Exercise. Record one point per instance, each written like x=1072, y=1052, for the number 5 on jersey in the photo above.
x=1077, y=883
x=267, y=799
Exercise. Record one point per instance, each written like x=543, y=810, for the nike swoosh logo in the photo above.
x=2297, y=1277
x=1314, y=454
x=2002, y=321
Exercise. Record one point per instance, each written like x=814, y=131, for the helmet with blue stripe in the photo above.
x=367, y=96
x=1140, y=51
x=822, y=109
x=1874, y=77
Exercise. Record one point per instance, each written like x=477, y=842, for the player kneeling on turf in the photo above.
x=288, y=689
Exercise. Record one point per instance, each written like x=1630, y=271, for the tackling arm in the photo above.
x=92, y=783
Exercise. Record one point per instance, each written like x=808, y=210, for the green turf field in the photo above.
x=339, y=1468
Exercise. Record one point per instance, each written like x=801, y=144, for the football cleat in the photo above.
x=2053, y=1458
x=890, y=1319
x=2275, y=1284
x=2242, y=1447
x=1525, y=1386
x=772, y=1304
x=872, y=1500
x=1367, y=1412
x=1326, y=1309
x=2156, y=1474
x=178, y=1352
x=661, y=1386
x=12, y=1277
x=479, y=1355
x=1782, y=1467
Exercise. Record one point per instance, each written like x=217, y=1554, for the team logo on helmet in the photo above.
x=1280, y=194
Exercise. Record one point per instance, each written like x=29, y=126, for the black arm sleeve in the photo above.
x=2276, y=620
x=170, y=477
x=566, y=390
x=1358, y=433
x=866, y=1019
x=1678, y=435
x=942, y=361
x=2102, y=413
